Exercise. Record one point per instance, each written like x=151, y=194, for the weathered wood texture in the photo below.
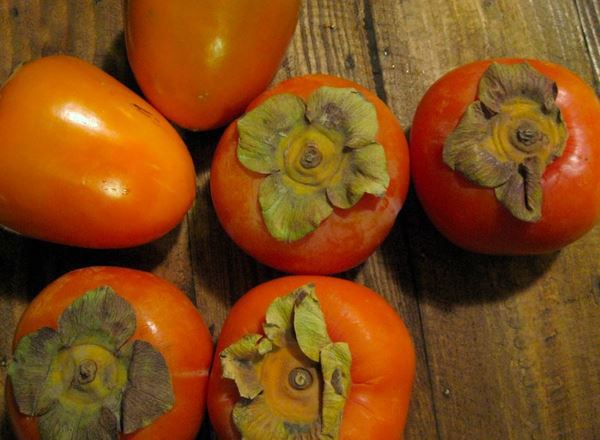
x=507, y=347
x=589, y=13
x=512, y=343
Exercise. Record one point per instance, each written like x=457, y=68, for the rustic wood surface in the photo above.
x=508, y=348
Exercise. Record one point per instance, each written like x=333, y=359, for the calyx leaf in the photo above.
x=368, y=174
x=344, y=110
x=295, y=326
x=310, y=327
x=240, y=362
x=335, y=359
x=317, y=156
x=29, y=369
x=149, y=391
x=290, y=215
x=99, y=317
x=503, y=82
x=262, y=129
x=508, y=136
x=82, y=381
x=66, y=423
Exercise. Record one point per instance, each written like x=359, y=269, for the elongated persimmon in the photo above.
x=86, y=162
x=201, y=62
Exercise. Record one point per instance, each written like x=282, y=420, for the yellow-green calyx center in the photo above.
x=86, y=371
x=310, y=158
x=293, y=380
x=86, y=380
x=508, y=136
x=316, y=155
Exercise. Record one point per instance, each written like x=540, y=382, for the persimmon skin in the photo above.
x=343, y=240
x=469, y=215
x=165, y=318
x=201, y=62
x=85, y=161
x=383, y=358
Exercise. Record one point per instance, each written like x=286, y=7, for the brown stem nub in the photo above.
x=87, y=372
x=527, y=137
x=311, y=156
x=300, y=378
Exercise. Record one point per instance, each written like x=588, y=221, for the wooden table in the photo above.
x=508, y=348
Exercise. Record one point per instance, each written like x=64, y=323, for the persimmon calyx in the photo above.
x=507, y=138
x=317, y=155
x=86, y=379
x=293, y=380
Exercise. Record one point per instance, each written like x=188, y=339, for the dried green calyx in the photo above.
x=293, y=380
x=508, y=136
x=86, y=379
x=317, y=155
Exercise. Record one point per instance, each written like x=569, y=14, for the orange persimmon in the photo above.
x=377, y=388
x=526, y=133
x=154, y=313
x=337, y=150
x=201, y=62
x=85, y=161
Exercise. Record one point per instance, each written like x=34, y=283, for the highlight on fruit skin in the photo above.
x=312, y=355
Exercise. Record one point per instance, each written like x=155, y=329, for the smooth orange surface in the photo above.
x=85, y=161
x=469, y=215
x=383, y=358
x=348, y=236
x=200, y=62
x=166, y=318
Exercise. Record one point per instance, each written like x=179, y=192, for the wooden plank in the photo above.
x=330, y=38
x=589, y=14
x=511, y=342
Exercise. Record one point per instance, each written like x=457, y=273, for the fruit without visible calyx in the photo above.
x=201, y=62
x=85, y=161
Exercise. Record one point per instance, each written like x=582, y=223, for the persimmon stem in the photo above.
x=300, y=378
x=311, y=156
x=87, y=372
x=528, y=137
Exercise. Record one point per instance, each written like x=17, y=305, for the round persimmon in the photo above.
x=104, y=352
x=505, y=156
x=312, y=177
x=315, y=355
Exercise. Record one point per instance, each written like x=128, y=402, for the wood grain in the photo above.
x=507, y=347
x=589, y=14
x=510, y=342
